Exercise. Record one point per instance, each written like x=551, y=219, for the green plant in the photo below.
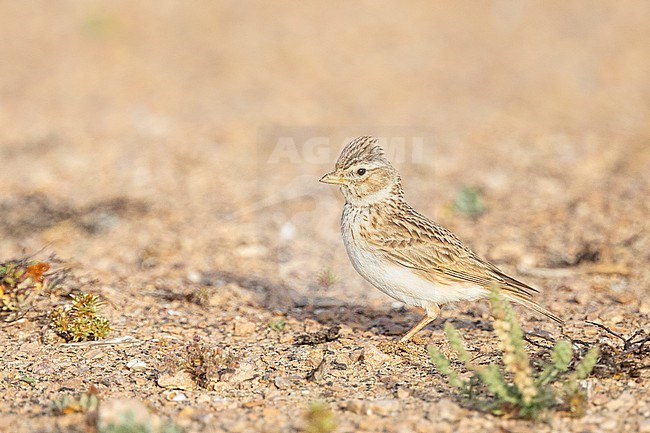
x=469, y=202
x=326, y=278
x=20, y=280
x=277, y=324
x=207, y=364
x=128, y=416
x=319, y=419
x=516, y=391
x=129, y=425
x=79, y=320
x=201, y=296
x=83, y=403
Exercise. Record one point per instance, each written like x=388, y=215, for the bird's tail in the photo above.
x=529, y=303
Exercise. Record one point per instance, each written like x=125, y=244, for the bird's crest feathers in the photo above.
x=361, y=149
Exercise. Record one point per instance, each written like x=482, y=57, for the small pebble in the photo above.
x=625, y=399
x=194, y=277
x=179, y=380
x=245, y=371
x=599, y=399
x=204, y=398
x=357, y=354
x=136, y=364
x=281, y=382
x=251, y=251
x=94, y=353
x=269, y=413
x=403, y=392
x=175, y=396
x=384, y=407
x=252, y=404
x=381, y=407
x=114, y=411
x=244, y=328
x=644, y=426
x=288, y=231
x=609, y=424
x=355, y=406
x=375, y=358
x=446, y=410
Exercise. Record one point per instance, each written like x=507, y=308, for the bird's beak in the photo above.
x=333, y=178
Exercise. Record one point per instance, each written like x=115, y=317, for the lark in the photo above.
x=403, y=253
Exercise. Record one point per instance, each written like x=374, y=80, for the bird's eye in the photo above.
x=361, y=171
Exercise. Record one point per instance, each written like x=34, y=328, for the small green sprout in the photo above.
x=79, y=320
x=82, y=403
x=277, y=324
x=319, y=419
x=469, y=202
x=326, y=278
x=29, y=380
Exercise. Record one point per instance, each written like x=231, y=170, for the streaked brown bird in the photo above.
x=403, y=253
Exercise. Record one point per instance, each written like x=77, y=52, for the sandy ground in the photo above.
x=170, y=152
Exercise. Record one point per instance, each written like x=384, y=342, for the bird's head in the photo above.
x=365, y=175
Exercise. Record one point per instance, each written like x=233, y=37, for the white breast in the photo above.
x=395, y=280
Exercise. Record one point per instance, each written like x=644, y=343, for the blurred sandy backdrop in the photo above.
x=135, y=139
x=164, y=101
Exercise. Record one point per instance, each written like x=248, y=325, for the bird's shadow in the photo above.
x=331, y=311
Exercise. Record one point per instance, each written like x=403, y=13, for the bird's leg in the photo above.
x=421, y=324
x=432, y=312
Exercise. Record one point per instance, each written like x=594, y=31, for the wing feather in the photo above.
x=439, y=256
